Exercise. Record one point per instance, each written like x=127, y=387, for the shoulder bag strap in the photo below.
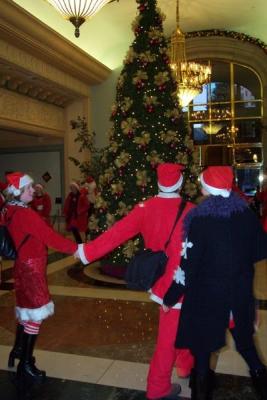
x=24, y=240
x=179, y=213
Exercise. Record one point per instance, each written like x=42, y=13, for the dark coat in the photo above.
x=227, y=240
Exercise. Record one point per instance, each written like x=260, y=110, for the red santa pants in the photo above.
x=165, y=356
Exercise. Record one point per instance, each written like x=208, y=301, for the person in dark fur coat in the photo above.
x=223, y=240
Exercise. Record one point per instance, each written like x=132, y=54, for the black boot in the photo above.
x=259, y=381
x=26, y=370
x=16, y=352
x=201, y=385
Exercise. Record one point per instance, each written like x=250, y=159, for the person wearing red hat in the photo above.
x=76, y=208
x=41, y=202
x=223, y=238
x=31, y=236
x=162, y=210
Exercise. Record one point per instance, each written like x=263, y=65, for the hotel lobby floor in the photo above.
x=101, y=338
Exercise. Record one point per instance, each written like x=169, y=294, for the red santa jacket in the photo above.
x=153, y=219
x=31, y=236
x=42, y=205
x=76, y=209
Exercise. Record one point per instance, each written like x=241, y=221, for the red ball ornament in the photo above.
x=130, y=134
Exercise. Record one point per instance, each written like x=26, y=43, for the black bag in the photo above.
x=7, y=248
x=147, y=266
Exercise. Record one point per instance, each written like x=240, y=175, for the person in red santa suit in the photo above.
x=3, y=186
x=41, y=202
x=76, y=208
x=162, y=210
x=31, y=236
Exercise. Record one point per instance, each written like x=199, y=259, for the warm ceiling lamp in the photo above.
x=76, y=11
x=212, y=128
x=190, y=76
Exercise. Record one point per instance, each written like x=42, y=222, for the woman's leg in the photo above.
x=202, y=377
x=26, y=368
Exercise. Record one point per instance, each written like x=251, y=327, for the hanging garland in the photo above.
x=232, y=34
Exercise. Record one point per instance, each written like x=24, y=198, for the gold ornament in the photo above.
x=169, y=137
x=100, y=203
x=93, y=223
x=106, y=177
x=122, y=159
x=130, y=56
x=155, y=34
x=129, y=125
x=140, y=76
x=142, y=140
x=123, y=209
x=117, y=188
x=150, y=100
x=190, y=188
x=161, y=78
x=154, y=158
x=142, y=178
x=126, y=104
x=110, y=219
x=182, y=158
x=130, y=248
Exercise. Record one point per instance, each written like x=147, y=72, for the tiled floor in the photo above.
x=99, y=342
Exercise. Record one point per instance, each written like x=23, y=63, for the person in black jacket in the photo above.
x=223, y=240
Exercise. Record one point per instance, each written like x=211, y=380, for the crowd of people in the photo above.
x=206, y=289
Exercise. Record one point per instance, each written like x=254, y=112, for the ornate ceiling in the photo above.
x=108, y=34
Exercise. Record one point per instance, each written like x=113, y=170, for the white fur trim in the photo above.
x=25, y=180
x=172, y=195
x=82, y=254
x=12, y=190
x=158, y=300
x=214, y=191
x=35, y=314
x=169, y=189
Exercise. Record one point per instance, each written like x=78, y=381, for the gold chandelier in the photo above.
x=190, y=76
x=77, y=11
x=212, y=128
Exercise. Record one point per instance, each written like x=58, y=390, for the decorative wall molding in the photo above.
x=30, y=35
x=31, y=115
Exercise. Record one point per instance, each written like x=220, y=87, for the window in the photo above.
x=225, y=119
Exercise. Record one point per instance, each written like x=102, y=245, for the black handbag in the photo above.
x=7, y=248
x=147, y=266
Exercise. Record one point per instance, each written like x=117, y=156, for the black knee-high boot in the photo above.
x=202, y=385
x=16, y=351
x=259, y=381
x=26, y=369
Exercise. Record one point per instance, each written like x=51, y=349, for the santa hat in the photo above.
x=75, y=184
x=170, y=177
x=16, y=181
x=39, y=185
x=217, y=180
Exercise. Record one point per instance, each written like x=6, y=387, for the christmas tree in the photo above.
x=148, y=129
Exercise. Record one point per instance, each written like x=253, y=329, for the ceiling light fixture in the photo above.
x=77, y=11
x=190, y=76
